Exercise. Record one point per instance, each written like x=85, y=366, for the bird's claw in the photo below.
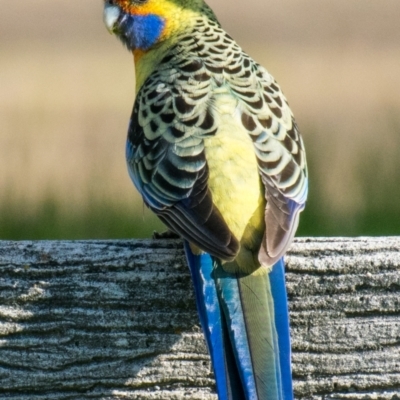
x=168, y=234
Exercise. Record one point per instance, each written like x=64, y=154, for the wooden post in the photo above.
x=117, y=320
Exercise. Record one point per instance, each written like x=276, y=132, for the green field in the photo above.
x=67, y=89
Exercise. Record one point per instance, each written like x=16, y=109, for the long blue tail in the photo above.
x=214, y=326
x=246, y=325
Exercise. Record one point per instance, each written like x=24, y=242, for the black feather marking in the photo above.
x=244, y=94
x=208, y=121
x=182, y=106
x=175, y=91
x=161, y=184
x=234, y=70
x=288, y=143
x=201, y=77
x=214, y=69
x=156, y=149
x=178, y=174
x=199, y=96
x=183, y=79
x=288, y=171
x=167, y=118
x=192, y=66
x=248, y=122
x=293, y=133
x=277, y=111
x=294, y=185
x=167, y=58
x=274, y=87
x=153, y=126
x=143, y=172
x=246, y=74
x=269, y=90
x=269, y=164
x=186, y=40
x=278, y=101
x=152, y=95
x=210, y=133
x=266, y=123
x=177, y=133
x=267, y=98
x=214, y=50
x=199, y=47
x=135, y=131
x=156, y=109
x=257, y=105
x=195, y=158
x=219, y=59
x=212, y=39
x=190, y=122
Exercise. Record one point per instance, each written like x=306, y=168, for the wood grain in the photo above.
x=117, y=320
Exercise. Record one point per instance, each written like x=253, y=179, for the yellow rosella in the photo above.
x=215, y=152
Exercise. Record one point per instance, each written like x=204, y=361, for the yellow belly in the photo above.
x=234, y=180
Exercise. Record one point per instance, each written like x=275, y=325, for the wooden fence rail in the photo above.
x=117, y=320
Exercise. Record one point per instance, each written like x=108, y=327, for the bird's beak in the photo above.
x=110, y=16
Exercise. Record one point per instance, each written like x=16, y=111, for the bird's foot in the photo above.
x=168, y=234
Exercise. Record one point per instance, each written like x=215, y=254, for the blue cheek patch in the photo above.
x=141, y=31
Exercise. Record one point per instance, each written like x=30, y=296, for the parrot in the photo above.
x=215, y=152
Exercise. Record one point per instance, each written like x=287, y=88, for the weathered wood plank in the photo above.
x=117, y=320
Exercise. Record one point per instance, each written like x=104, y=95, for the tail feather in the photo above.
x=244, y=299
x=214, y=326
x=245, y=321
x=258, y=310
x=278, y=289
x=229, y=294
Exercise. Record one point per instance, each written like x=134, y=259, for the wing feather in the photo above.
x=280, y=155
x=166, y=157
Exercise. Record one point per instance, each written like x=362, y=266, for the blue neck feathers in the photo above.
x=141, y=31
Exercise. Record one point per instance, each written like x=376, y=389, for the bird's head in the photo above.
x=142, y=24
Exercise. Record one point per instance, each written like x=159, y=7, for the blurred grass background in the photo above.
x=67, y=89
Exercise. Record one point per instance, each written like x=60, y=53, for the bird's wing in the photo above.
x=280, y=155
x=166, y=157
